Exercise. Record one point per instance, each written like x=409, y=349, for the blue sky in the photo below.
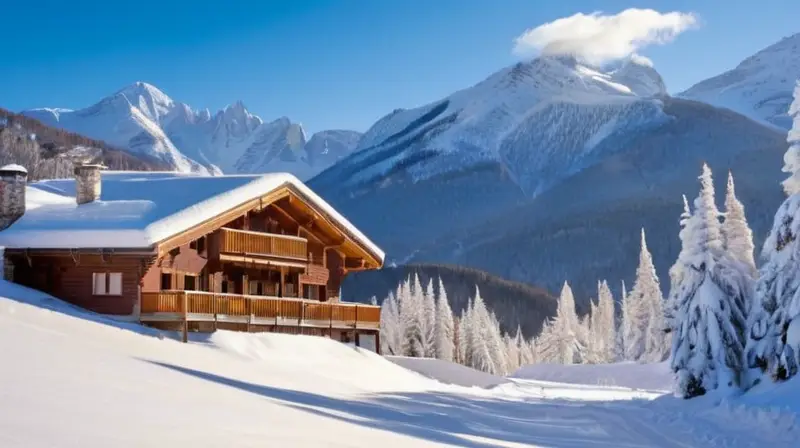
x=327, y=64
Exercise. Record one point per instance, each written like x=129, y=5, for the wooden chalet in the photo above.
x=189, y=253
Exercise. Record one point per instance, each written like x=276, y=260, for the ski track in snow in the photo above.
x=77, y=380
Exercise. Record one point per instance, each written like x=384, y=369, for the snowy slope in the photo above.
x=144, y=120
x=760, y=86
x=657, y=377
x=72, y=380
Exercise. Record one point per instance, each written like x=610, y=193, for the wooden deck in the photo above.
x=196, y=306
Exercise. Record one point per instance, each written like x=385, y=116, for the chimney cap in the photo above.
x=13, y=168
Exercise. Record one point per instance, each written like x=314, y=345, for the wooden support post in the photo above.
x=330, y=321
x=248, y=304
x=185, y=310
x=215, y=304
x=283, y=282
x=301, y=314
x=378, y=342
x=245, y=283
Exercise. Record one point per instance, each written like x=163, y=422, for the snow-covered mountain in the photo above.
x=545, y=172
x=144, y=120
x=760, y=87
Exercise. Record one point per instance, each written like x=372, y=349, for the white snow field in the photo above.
x=71, y=379
x=653, y=377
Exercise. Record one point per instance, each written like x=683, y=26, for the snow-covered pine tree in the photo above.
x=736, y=233
x=591, y=343
x=643, y=313
x=512, y=353
x=519, y=344
x=547, y=346
x=773, y=343
x=411, y=319
x=619, y=319
x=564, y=330
x=490, y=333
x=464, y=337
x=479, y=352
x=677, y=269
x=429, y=320
x=708, y=340
x=445, y=329
x=391, y=330
x=604, y=327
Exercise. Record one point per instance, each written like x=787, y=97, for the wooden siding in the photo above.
x=335, y=266
x=70, y=279
x=179, y=262
x=315, y=275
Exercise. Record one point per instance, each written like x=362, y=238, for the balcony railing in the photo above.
x=205, y=306
x=232, y=241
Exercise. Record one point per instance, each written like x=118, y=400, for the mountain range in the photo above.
x=546, y=170
x=543, y=172
x=143, y=120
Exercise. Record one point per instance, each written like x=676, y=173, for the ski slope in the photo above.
x=70, y=379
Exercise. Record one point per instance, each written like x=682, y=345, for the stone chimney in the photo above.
x=87, y=182
x=13, y=179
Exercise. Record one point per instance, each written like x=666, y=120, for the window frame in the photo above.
x=106, y=284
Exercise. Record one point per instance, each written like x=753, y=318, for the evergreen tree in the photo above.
x=564, y=331
x=465, y=335
x=619, y=319
x=603, y=327
x=644, y=316
x=429, y=320
x=391, y=330
x=677, y=269
x=772, y=346
x=736, y=233
x=708, y=341
x=411, y=319
x=445, y=328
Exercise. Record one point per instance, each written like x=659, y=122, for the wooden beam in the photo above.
x=283, y=281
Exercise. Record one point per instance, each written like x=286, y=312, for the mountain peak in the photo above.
x=760, y=87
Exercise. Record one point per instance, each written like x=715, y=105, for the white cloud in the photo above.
x=598, y=38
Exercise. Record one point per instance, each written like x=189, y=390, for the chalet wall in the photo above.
x=335, y=264
x=178, y=263
x=63, y=278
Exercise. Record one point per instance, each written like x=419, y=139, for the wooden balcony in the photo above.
x=234, y=244
x=196, y=306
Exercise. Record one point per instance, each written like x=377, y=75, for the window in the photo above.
x=166, y=281
x=190, y=283
x=311, y=292
x=107, y=284
x=224, y=287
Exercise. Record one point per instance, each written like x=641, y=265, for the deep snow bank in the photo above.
x=655, y=377
x=448, y=372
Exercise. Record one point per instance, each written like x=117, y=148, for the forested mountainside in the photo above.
x=48, y=152
x=546, y=172
x=514, y=303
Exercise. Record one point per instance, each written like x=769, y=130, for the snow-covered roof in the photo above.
x=138, y=209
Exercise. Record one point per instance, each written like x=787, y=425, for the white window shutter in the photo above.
x=115, y=284
x=99, y=283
